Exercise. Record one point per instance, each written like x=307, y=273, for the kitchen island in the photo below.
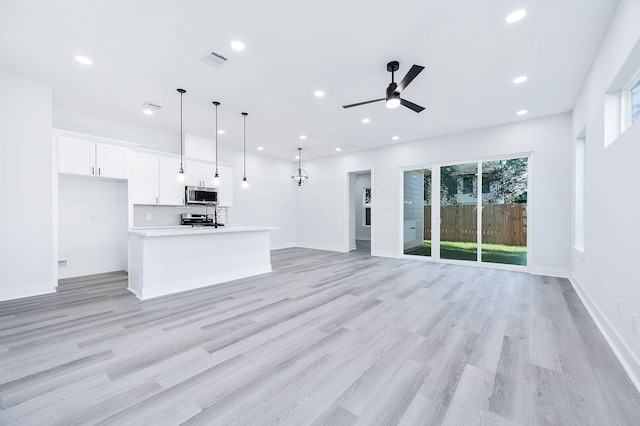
x=173, y=259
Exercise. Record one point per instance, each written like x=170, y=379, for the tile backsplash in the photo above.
x=150, y=215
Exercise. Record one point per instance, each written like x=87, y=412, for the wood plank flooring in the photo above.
x=326, y=339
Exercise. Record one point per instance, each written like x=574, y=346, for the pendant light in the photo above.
x=299, y=177
x=181, y=175
x=216, y=177
x=245, y=183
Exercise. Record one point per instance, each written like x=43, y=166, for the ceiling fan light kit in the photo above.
x=393, y=99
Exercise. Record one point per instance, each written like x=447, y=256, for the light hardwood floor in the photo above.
x=326, y=339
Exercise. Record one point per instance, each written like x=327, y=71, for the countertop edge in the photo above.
x=166, y=232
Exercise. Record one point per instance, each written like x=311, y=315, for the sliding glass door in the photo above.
x=417, y=212
x=504, y=211
x=486, y=196
x=459, y=212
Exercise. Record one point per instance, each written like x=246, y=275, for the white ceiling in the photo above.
x=144, y=49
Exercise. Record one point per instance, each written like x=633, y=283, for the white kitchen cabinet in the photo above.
x=112, y=161
x=143, y=179
x=81, y=157
x=199, y=173
x=153, y=180
x=170, y=190
x=225, y=189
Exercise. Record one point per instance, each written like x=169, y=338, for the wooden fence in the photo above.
x=501, y=223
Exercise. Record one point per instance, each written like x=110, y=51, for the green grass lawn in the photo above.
x=494, y=253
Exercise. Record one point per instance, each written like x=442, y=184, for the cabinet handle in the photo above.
x=98, y=171
x=156, y=200
x=93, y=170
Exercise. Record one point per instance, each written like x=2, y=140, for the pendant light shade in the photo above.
x=245, y=182
x=299, y=177
x=216, y=177
x=181, y=175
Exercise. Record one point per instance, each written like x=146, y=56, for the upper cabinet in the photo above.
x=170, y=190
x=80, y=157
x=153, y=180
x=199, y=173
x=225, y=189
x=143, y=179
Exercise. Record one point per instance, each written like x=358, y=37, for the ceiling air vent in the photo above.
x=151, y=106
x=215, y=58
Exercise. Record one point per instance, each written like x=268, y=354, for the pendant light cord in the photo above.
x=216, y=104
x=244, y=144
x=181, y=91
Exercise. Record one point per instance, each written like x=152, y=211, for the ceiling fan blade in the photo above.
x=411, y=105
x=362, y=103
x=413, y=73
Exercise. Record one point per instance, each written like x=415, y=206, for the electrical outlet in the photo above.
x=619, y=307
x=634, y=323
x=148, y=216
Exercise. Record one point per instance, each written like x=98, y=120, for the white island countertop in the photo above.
x=166, y=231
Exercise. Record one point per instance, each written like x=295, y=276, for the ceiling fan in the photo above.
x=393, y=99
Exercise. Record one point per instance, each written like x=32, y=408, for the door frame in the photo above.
x=348, y=206
x=435, y=212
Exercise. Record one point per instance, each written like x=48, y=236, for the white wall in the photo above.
x=413, y=211
x=607, y=271
x=92, y=224
x=362, y=181
x=321, y=201
x=26, y=216
x=271, y=199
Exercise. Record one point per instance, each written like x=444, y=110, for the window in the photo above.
x=635, y=102
x=486, y=184
x=366, y=204
x=467, y=185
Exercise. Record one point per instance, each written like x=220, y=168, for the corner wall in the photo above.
x=27, y=214
x=607, y=271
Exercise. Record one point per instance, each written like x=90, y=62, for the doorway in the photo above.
x=360, y=206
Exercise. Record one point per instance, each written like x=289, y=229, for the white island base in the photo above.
x=167, y=261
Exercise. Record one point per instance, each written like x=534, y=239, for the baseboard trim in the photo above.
x=90, y=270
x=282, y=246
x=385, y=253
x=628, y=360
x=322, y=247
x=549, y=272
x=26, y=291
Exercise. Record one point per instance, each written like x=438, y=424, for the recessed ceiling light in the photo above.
x=237, y=45
x=319, y=93
x=338, y=149
x=520, y=80
x=516, y=16
x=260, y=148
x=84, y=60
x=365, y=120
x=303, y=137
x=522, y=112
x=395, y=138
x=147, y=111
x=221, y=132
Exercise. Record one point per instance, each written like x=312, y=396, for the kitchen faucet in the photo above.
x=215, y=213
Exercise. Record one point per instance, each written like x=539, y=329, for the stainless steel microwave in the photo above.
x=200, y=195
